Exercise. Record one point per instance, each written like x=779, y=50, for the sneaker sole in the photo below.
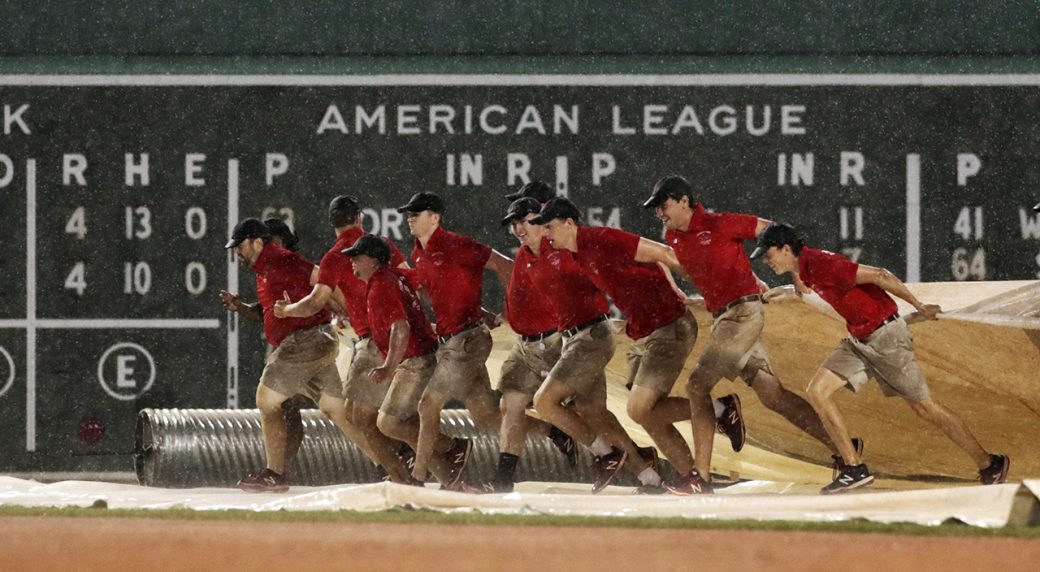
x=683, y=493
x=859, y=484
x=254, y=489
x=621, y=465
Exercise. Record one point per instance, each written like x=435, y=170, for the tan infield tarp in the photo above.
x=980, y=358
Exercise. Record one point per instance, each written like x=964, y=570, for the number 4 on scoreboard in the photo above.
x=77, y=224
x=77, y=279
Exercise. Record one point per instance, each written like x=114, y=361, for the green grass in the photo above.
x=429, y=517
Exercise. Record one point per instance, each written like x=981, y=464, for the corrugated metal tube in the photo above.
x=181, y=448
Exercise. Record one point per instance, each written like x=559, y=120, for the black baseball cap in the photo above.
x=370, y=245
x=538, y=190
x=776, y=234
x=670, y=187
x=557, y=207
x=423, y=202
x=247, y=229
x=520, y=208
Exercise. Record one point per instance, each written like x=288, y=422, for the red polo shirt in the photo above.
x=528, y=309
x=451, y=270
x=337, y=271
x=640, y=290
x=573, y=297
x=711, y=251
x=279, y=270
x=833, y=277
x=389, y=299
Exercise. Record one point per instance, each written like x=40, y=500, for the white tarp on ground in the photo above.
x=989, y=506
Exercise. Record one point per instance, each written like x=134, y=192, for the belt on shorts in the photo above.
x=738, y=301
x=883, y=323
x=571, y=331
x=538, y=337
x=444, y=339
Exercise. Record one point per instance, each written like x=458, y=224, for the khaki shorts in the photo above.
x=655, y=361
x=358, y=388
x=583, y=358
x=409, y=382
x=887, y=356
x=528, y=364
x=462, y=364
x=305, y=363
x=735, y=347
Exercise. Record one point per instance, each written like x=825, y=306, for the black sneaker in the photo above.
x=649, y=454
x=731, y=422
x=853, y=477
x=407, y=456
x=264, y=481
x=839, y=463
x=565, y=444
x=381, y=474
x=689, y=484
x=457, y=457
x=997, y=470
x=607, y=467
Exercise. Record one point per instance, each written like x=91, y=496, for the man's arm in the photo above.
x=399, y=334
x=887, y=281
x=307, y=306
x=762, y=224
x=502, y=265
x=657, y=253
x=652, y=252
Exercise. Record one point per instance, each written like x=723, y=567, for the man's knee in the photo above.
x=430, y=408
x=819, y=391
x=388, y=424
x=640, y=408
x=701, y=381
x=269, y=401
x=769, y=391
x=925, y=409
x=543, y=398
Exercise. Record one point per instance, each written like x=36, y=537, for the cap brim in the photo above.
x=540, y=220
x=406, y=209
x=1036, y=208
x=508, y=219
x=233, y=243
x=758, y=252
x=514, y=196
x=652, y=202
x=350, y=251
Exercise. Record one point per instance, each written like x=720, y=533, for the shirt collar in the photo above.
x=697, y=218
x=352, y=234
x=266, y=254
x=435, y=238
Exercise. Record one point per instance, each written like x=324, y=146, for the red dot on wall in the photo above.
x=91, y=430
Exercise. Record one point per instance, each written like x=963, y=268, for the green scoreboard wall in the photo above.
x=118, y=193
